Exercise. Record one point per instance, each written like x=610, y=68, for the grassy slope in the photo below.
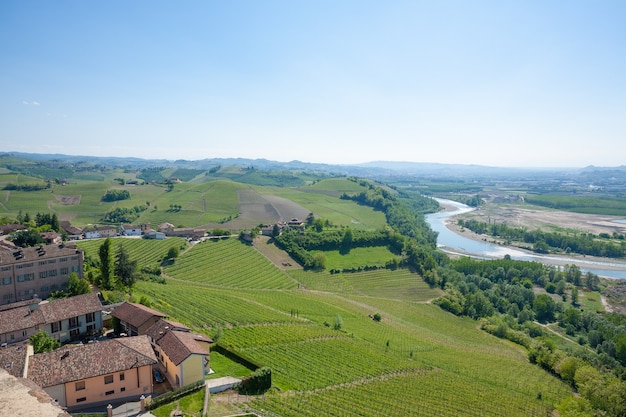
x=418, y=355
x=339, y=212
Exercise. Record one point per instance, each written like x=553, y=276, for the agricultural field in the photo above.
x=358, y=257
x=337, y=211
x=329, y=357
x=210, y=263
x=146, y=252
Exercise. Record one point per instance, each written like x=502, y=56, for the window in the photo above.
x=80, y=386
x=55, y=327
x=110, y=392
x=43, y=274
x=122, y=376
x=64, y=270
x=74, y=322
x=43, y=262
x=44, y=289
x=62, y=259
x=23, y=333
x=90, y=317
x=81, y=399
x=123, y=389
x=74, y=333
x=108, y=379
x=91, y=328
x=6, y=281
x=7, y=296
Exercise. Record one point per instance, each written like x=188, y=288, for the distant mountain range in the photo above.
x=375, y=169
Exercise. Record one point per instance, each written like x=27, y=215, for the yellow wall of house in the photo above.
x=192, y=369
x=171, y=371
x=130, y=383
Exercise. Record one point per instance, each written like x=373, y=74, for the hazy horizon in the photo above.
x=500, y=84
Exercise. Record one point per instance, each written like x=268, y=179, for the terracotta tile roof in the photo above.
x=20, y=318
x=72, y=230
x=158, y=329
x=178, y=345
x=65, y=308
x=135, y=314
x=75, y=363
x=8, y=256
x=13, y=358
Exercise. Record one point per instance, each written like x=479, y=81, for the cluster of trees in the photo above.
x=299, y=245
x=123, y=215
x=43, y=222
x=27, y=187
x=75, y=286
x=47, y=219
x=115, y=271
x=116, y=195
x=544, y=242
x=175, y=208
x=405, y=216
x=501, y=292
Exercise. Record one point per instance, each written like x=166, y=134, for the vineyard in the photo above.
x=146, y=252
x=211, y=263
x=417, y=360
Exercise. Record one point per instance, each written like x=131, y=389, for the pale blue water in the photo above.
x=452, y=242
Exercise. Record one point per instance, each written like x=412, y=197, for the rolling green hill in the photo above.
x=418, y=360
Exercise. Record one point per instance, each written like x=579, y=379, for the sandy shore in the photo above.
x=581, y=260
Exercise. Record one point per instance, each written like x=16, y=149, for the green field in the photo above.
x=418, y=360
x=370, y=256
x=339, y=212
x=146, y=252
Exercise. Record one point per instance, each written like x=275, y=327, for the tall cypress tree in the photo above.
x=106, y=265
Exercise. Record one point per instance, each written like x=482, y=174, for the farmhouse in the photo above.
x=170, y=230
x=136, y=319
x=6, y=229
x=95, y=232
x=296, y=224
x=51, y=238
x=184, y=355
x=73, y=232
x=37, y=271
x=95, y=373
x=64, y=319
x=153, y=234
x=131, y=230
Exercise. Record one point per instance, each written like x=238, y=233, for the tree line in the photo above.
x=544, y=242
x=502, y=293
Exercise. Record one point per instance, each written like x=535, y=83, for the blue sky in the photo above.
x=500, y=83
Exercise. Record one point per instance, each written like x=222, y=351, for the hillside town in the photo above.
x=109, y=354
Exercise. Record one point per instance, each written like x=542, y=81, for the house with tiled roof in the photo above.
x=73, y=232
x=184, y=355
x=133, y=230
x=13, y=358
x=96, y=373
x=64, y=319
x=40, y=270
x=136, y=319
x=94, y=232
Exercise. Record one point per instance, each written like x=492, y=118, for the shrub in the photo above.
x=259, y=382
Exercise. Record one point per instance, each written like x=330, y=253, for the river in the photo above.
x=454, y=243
